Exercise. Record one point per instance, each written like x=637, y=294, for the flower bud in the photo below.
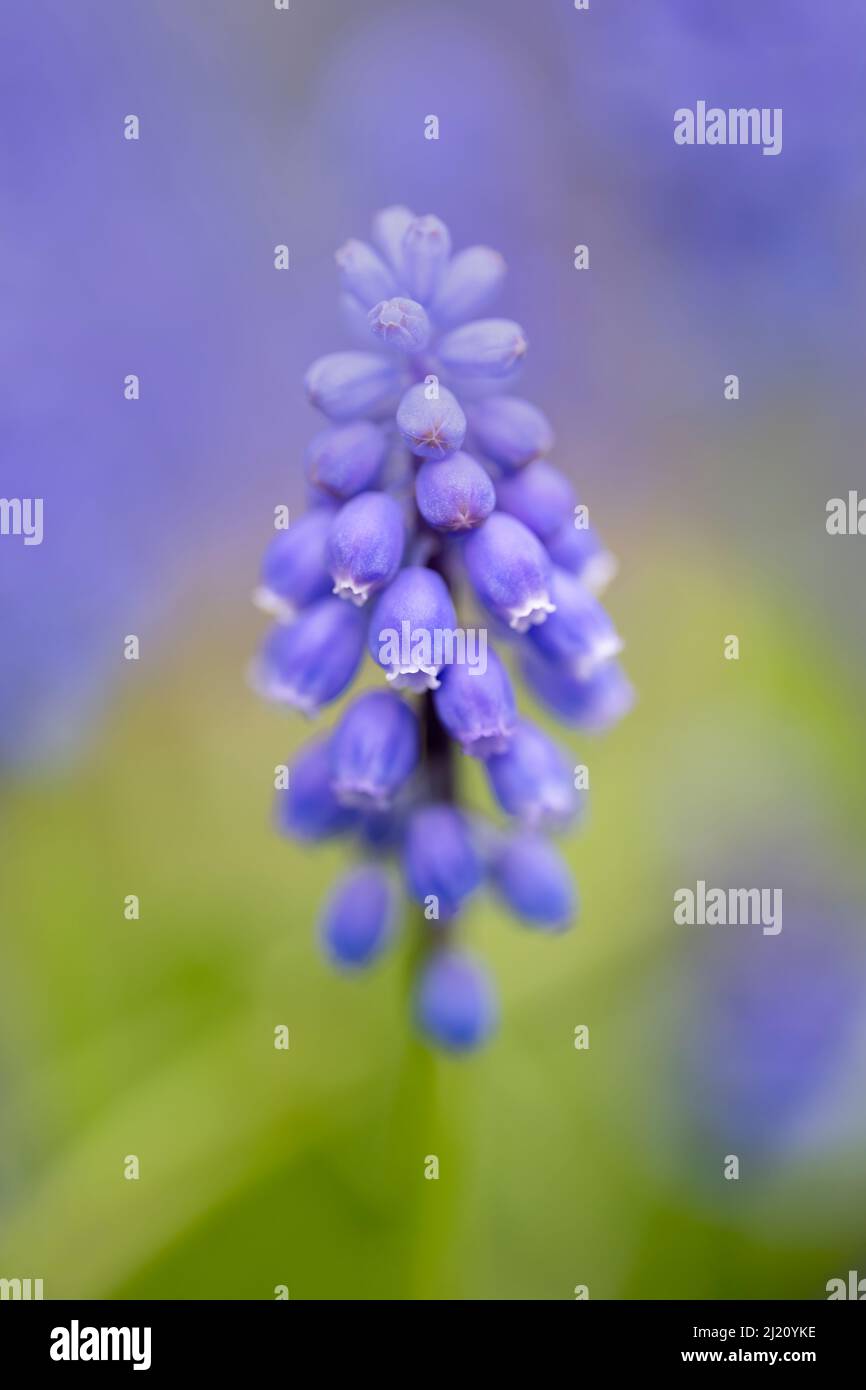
x=529, y=874
x=477, y=707
x=454, y=494
x=389, y=228
x=539, y=496
x=431, y=428
x=342, y=462
x=510, y=571
x=364, y=274
x=307, y=809
x=440, y=860
x=533, y=781
x=592, y=705
x=468, y=283
x=365, y=545
x=410, y=627
x=579, y=550
x=358, y=920
x=425, y=251
x=455, y=1003
x=374, y=749
x=488, y=348
x=294, y=572
x=346, y=385
x=400, y=323
x=511, y=431
x=579, y=635
x=312, y=662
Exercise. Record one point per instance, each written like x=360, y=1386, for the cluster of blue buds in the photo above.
x=429, y=489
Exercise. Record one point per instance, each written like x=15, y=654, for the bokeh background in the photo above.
x=305, y=1168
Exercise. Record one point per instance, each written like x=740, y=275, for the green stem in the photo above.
x=420, y=1126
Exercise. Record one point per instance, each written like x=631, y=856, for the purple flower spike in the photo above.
x=294, y=572
x=373, y=750
x=488, y=348
x=455, y=1004
x=412, y=629
x=579, y=634
x=454, y=494
x=311, y=663
x=533, y=781
x=397, y=502
x=389, y=228
x=511, y=431
x=307, y=809
x=535, y=883
x=440, y=860
x=365, y=545
x=539, y=496
x=342, y=462
x=593, y=705
x=425, y=250
x=364, y=274
x=346, y=385
x=467, y=286
x=431, y=428
x=400, y=323
x=358, y=921
x=477, y=706
x=510, y=571
x=579, y=550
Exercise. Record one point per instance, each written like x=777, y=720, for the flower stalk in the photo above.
x=431, y=478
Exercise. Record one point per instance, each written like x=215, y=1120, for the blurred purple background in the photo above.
x=261, y=127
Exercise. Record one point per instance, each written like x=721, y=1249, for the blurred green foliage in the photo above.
x=262, y=1167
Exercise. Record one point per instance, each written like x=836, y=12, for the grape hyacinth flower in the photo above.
x=365, y=545
x=534, y=882
x=373, y=750
x=294, y=572
x=359, y=917
x=343, y=462
x=433, y=497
